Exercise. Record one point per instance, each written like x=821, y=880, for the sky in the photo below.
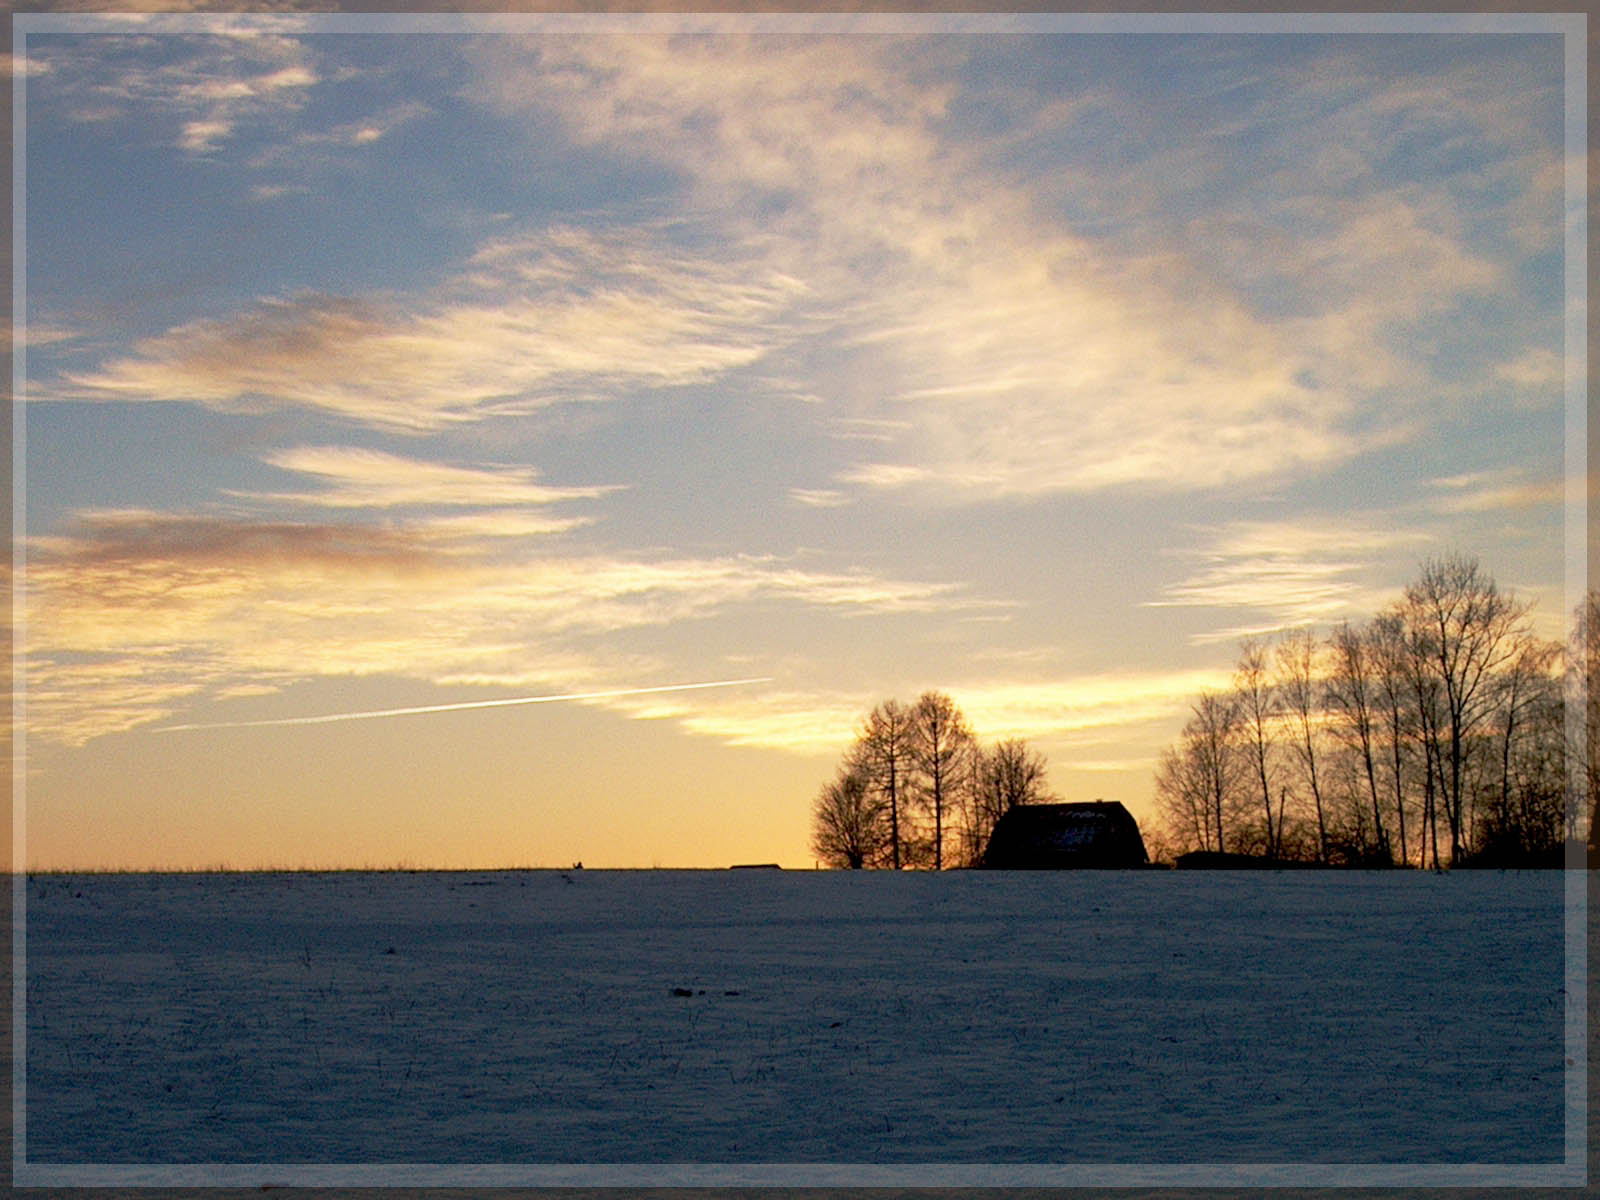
x=368, y=367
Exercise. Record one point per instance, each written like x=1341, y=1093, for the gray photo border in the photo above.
x=1572, y=1171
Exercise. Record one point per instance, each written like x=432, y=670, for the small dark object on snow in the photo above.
x=682, y=992
x=1100, y=833
x=730, y=993
x=389, y=950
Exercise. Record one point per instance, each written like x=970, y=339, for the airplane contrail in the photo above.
x=507, y=702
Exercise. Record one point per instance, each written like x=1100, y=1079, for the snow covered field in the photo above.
x=764, y=1017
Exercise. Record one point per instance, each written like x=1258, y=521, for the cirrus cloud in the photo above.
x=132, y=613
x=1019, y=356
x=216, y=82
x=372, y=479
x=568, y=314
x=1290, y=573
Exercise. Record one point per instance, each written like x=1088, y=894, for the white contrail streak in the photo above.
x=329, y=718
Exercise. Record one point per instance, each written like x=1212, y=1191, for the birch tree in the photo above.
x=1387, y=640
x=1300, y=699
x=1198, y=781
x=1525, y=698
x=1463, y=627
x=1257, y=707
x=1352, y=696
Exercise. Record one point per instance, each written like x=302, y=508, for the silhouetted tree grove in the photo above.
x=1201, y=783
x=1434, y=735
x=917, y=790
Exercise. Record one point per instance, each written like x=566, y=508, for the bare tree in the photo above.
x=1462, y=625
x=1257, y=705
x=883, y=752
x=1428, y=722
x=1182, y=802
x=1013, y=774
x=849, y=826
x=1300, y=698
x=1387, y=640
x=1007, y=775
x=942, y=746
x=1447, y=711
x=1525, y=697
x=1352, y=695
x=1197, y=783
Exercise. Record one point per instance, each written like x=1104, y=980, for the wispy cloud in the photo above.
x=564, y=315
x=1492, y=491
x=1264, y=314
x=201, y=137
x=994, y=350
x=1538, y=375
x=132, y=613
x=372, y=479
x=818, y=497
x=1289, y=573
x=214, y=85
x=1081, y=704
x=777, y=718
x=42, y=334
x=369, y=129
x=1078, y=708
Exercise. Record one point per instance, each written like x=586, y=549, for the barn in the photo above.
x=1099, y=833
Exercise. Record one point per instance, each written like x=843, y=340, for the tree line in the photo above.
x=1436, y=734
x=916, y=789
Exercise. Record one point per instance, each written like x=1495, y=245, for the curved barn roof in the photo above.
x=1099, y=833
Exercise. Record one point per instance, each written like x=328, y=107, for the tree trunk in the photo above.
x=894, y=816
x=1400, y=793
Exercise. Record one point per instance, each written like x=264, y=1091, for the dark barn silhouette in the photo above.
x=1100, y=833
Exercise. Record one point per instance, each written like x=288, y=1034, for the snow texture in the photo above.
x=765, y=1017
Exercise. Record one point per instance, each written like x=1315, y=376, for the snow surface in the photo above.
x=835, y=1017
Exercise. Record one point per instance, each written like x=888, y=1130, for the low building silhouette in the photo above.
x=1095, y=834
